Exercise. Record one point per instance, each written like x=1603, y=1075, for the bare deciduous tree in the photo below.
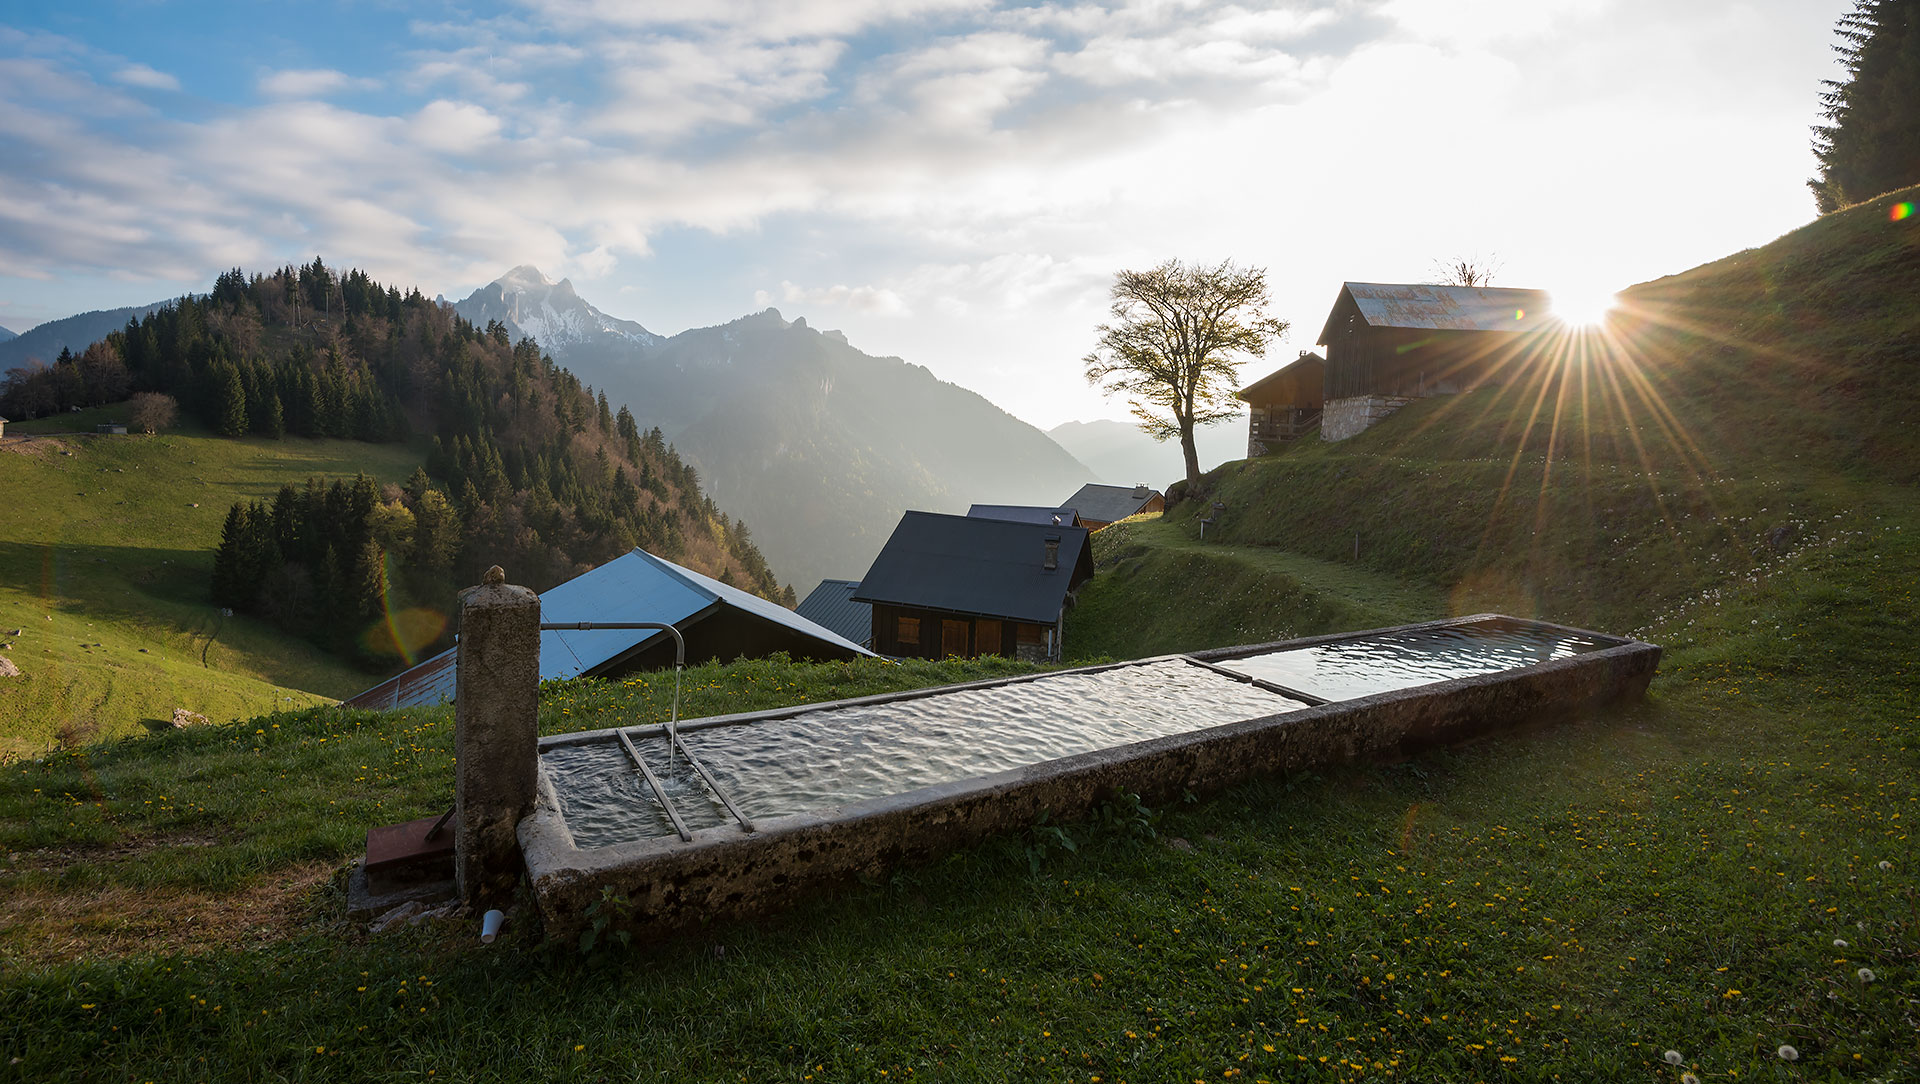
x=151, y=411
x=1466, y=270
x=1173, y=343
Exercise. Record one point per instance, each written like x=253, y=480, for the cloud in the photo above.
x=140, y=75
x=454, y=127
x=311, y=83
x=874, y=300
x=766, y=20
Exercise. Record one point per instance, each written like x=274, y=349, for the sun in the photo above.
x=1584, y=307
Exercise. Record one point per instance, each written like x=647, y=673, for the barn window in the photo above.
x=908, y=631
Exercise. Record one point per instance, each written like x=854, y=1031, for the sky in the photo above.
x=951, y=181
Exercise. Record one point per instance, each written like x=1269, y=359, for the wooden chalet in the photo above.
x=1285, y=403
x=965, y=586
x=1389, y=343
x=1100, y=505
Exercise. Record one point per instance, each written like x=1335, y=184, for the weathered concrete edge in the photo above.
x=725, y=873
x=1210, y=655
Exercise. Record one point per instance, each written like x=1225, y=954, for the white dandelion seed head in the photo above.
x=1787, y=1053
x=1673, y=1057
x=1839, y=943
x=1689, y=1078
x=1865, y=974
x=1884, y=864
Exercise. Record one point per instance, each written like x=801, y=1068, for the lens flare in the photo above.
x=401, y=632
x=1901, y=210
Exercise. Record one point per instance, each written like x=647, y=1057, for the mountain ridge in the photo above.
x=817, y=443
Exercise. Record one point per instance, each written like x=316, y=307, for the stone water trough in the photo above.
x=738, y=815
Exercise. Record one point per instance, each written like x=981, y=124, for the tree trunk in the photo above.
x=1192, y=457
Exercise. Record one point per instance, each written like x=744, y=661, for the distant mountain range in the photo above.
x=45, y=341
x=1118, y=453
x=817, y=445
x=6, y=335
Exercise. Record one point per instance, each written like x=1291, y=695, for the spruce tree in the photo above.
x=229, y=403
x=1871, y=143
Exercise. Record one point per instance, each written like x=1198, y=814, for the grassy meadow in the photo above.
x=105, y=551
x=1717, y=883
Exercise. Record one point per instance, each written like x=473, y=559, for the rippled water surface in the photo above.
x=827, y=758
x=1380, y=663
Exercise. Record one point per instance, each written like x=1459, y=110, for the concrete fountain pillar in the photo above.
x=495, y=735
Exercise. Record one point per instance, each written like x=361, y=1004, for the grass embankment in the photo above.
x=1159, y=590
x=105, y=553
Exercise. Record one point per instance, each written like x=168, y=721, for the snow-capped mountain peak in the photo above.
x=550, y=313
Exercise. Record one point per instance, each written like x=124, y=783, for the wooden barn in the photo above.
x=966, y=586
x=1285, y=403
x=1389, y=343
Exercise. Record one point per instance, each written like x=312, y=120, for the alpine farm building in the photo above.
x=966, y=586
x=1388, y=344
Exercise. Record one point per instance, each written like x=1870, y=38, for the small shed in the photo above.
x=965, y=586
x=1100, y=505
x=831, y=606
x=1027, y=513
x=1285, y=403
x=718, y=622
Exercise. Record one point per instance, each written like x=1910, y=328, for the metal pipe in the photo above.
x=659, y=791
x=673, y=718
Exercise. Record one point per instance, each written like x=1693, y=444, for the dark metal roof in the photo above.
x=990, y=567
x=1298, y=368
x=1444, y=308
x=1026, y=513
x=636, y=586
x=831, y=605
x=1108, y=504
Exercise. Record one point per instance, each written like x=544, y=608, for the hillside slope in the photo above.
x=105, y=580
x=1728, y=423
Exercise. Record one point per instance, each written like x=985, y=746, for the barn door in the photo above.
x=953, y=639
x=986, y=637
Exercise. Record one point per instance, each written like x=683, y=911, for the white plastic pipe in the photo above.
x=490, y=926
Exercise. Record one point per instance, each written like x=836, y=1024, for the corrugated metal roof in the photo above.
x=634, y=587
x=990, y=567
x=1025, y=513
x=831, y=605
x=1446, y=308
x=1108, y=504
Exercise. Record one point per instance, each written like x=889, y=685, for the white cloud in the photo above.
x=311, y=83
x=865, y=299
x=140, y=75
x=767, y=20
x=454, y=127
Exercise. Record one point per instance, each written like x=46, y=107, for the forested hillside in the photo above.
x=524, y=467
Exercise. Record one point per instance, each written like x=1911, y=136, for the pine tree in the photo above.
x=229, y=412
x=227, y=559
x=1872, y=141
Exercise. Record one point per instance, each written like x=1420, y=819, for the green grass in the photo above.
x=104, y=559
x=1158, y=589
x=1578, y=898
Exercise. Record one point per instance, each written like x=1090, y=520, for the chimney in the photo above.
x=1053, y=555
x=1141, y=491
